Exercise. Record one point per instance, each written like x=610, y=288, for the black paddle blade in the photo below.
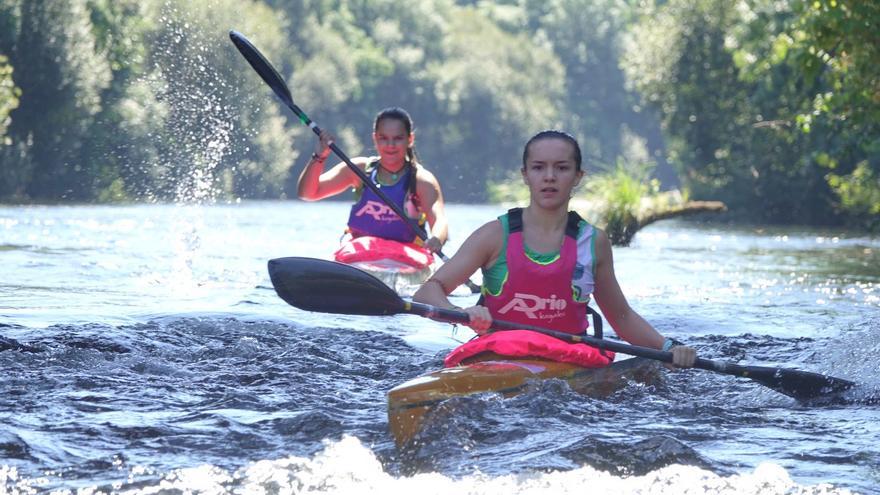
x=800, y=385
x=262, y=66
x=330, y=287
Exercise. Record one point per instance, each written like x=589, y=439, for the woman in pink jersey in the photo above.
x=541, y=266
x=396, y=170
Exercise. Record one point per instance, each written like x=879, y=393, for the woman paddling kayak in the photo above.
x=541, y=265
x=396, y=170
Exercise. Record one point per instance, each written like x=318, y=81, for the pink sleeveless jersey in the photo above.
x=539, y=295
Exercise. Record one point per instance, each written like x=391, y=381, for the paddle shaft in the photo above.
x=452, y=316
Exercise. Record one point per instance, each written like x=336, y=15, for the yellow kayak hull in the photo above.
x=409, y=402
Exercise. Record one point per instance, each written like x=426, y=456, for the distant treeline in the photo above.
x=772, y=107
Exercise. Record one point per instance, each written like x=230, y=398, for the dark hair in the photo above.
x=554, y=134
x=399, y=114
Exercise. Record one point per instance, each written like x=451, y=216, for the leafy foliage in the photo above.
x=617, y=197
x=772, y=107
x=8, y=94
x=61, y=76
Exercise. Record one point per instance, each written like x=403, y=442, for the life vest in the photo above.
x=538, y=295
x=370, y=216
x=371, y=249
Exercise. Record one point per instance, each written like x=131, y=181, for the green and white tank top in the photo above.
x=583, y=278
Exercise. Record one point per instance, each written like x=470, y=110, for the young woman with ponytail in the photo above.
x=396, y=170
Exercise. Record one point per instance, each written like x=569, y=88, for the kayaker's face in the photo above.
x=392, y=142
x=551, y=172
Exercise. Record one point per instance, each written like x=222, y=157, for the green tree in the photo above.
x=9, y=20
x=61, y=75
x=720, y=126
x=757, y=110
x=494, y=97
x=585, y=35
x=676, y=60
x=118, y=137
x=839, y=41
x=473, y=109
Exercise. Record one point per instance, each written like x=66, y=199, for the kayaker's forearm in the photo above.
x=631, y=327
x=440, y=231
x=309, y=183
x=436, y=217
x=432, y=292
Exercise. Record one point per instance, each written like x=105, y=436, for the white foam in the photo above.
x=348, y=467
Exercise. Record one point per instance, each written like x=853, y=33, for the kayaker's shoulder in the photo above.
x=491, y=229
x=601, y=236
x=424, y=172
x=489, y=235
x=363, y=161
x=602, y=245
x=425, y=177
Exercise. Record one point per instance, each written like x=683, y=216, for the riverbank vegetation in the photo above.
x=770, y=107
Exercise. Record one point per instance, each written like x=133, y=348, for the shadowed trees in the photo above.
x=771, y=107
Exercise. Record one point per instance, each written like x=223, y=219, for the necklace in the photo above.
x=394, y=175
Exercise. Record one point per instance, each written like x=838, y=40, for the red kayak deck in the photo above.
x=401, y=266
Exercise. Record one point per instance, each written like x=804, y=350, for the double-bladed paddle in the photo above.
x=276, y=82
x=330, y=287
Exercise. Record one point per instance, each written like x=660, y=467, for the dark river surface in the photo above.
x=142, y=350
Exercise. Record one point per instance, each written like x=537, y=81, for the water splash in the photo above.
x=347, y=466
x=182, y=110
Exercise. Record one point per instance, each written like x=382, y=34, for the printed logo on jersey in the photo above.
x=378, y=211
x=536, y=308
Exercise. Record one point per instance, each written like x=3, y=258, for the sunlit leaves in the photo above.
x=8, y=96
x=840, y=44
x=859, y=191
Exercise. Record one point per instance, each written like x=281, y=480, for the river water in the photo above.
x=142, y=350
